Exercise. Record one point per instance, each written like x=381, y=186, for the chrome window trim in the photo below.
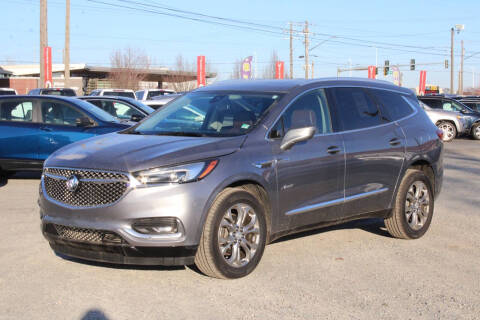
x=415, y=111
x=61, y=204
x=330, y=203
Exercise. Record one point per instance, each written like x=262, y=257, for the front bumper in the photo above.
x=118, y=251
x=185, y=202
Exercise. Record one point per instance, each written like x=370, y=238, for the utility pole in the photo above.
x=305, y=31
x=291, y=50
x=43, y=40
x=67, y=44
x=312, y=71
x=451, y=61
x=460, y=80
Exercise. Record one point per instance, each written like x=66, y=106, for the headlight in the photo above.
x=179, y=174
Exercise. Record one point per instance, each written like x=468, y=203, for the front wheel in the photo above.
x=449, y=130
x=413, y=209
x=234, y=234
x=476, y=131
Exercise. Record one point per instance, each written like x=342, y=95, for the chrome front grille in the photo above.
x=86, y=235
x=95, y=188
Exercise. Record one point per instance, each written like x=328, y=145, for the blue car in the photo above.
x=33, y=127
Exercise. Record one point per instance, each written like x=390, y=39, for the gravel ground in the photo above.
x=352, y=271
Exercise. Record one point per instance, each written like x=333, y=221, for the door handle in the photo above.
x=333, y=149
x=395, y=142
x=265, y=164
x=46, y=129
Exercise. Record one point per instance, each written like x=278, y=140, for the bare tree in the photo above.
x=129, y=67
x=269, y=70
x=183, y=68
x=178, y=82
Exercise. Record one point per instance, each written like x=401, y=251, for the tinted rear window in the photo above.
x=119, y=94
x=393, y=106
x=59, y=92
x=355, y=109
x=7, y=92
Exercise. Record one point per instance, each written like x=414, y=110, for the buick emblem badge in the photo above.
x=72, y=183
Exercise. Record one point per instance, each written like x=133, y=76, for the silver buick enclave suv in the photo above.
x=220, y=172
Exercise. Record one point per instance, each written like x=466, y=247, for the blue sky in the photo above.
x=417, y=29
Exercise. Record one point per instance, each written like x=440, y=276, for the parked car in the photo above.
x=33, y=127
x=148, y=94
x=113, y=92
x=159, y=101
x=472, y=103
x=220, y=172
x=7, y=92
x=67, y=92
x=123, y=108
x=451, y=123
x=471, y=117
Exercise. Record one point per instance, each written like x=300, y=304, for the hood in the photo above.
x=130, y=152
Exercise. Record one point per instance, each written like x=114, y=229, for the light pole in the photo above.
x=458, y=28
x=308, y=66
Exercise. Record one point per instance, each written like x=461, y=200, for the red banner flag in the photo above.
x=201, y=81
x=279, y=70
x=423, y=81
x=372, y=72
x=47, y=64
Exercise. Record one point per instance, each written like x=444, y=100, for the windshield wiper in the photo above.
x=180, y=133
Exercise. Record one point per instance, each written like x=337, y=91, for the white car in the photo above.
x=113, y=92
x=451, y=123
x=159, y=101
x=148, y=94
x=8, y=92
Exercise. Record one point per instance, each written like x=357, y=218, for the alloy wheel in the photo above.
x=417, y=205
x=476, y=131
x=239, y=235
x=448, y=131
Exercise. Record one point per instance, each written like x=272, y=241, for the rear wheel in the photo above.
x=476, y=131
x=449, y=130
x=234, y=234
x=413, y=209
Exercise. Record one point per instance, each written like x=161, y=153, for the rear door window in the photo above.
x=355, y=109
x=392, y=105
x=59, y=113
x=16, y=111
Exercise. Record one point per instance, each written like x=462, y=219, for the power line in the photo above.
x=255, y=27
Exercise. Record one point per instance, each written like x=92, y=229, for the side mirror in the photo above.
x=136, y=117
x=464, y=111
x=84, y=122
x=294, y=136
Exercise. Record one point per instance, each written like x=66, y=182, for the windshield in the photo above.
x=96, y=111
x=119, y=94
x=209, y=114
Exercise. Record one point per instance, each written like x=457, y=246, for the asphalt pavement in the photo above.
x=352, y=271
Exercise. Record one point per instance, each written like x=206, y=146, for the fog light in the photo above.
x=156, y=226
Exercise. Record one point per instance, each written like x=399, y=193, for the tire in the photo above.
x=220, y=224
x=476, y=131
x=449, y=130
x=401, y=223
